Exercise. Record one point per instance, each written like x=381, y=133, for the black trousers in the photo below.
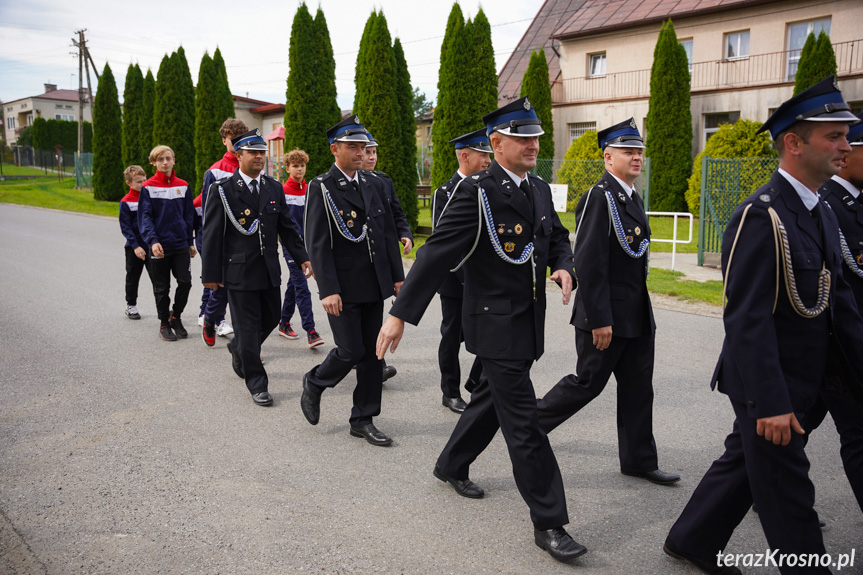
x=255, y=313
x=848, y=418
x=355, y=332
x=450, y=343
x=631, y=362
x=134, y=267
x=178, y=263
x=776, y=478
x=506, y=399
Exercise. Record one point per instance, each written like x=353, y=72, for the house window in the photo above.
x=68, y=117
x=797, y=34
x=856, y=107
x=737, y=45
x=597, y=65
x=10, y=123
x=713, y=121
x=68, y=106
x=687, y=45
x=578, y=129
x=29, y=119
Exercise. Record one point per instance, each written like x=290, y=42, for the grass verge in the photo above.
x=47, y=192
x=671, y=283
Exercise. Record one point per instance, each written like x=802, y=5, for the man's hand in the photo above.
x=192, y=251
x=157, y=250
x=306, y=266
x=778, y=428
x=213, y=285
x=390, y=335
x=332, y=304
x=563, y=279
x=408, y=245
x=140, y=253
x=602, y=337
x=398, y=287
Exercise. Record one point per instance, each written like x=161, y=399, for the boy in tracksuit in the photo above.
x=166, y=220
x=214, y=303
x=136, y=252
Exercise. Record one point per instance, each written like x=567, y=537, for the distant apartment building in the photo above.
x=54, y=104
x=743, y=56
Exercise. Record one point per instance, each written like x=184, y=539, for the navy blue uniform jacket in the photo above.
x=453, y=285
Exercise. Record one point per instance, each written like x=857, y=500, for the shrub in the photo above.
x=581, y=168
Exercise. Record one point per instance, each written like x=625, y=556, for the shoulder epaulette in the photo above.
x=764, y=200
x=223, y=180
x=382, y=174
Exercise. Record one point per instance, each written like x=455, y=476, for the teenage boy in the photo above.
x=297, y=293
x=136, y=254
x=166, y=220
x=214, y=303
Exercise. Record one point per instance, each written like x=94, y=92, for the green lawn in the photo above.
x=47, y=192
x=671, y=283
x=13, y=170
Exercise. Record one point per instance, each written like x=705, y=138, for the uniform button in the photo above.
x=373, y=242
x=485, y=309
x=371, y=230
x=750, y=403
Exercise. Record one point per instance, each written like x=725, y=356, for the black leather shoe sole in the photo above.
x=310, y=403
x=389, y=372
x=454, y=404
x=464, y=487
x=658, y=477
x=568, y=550
x=381, y=440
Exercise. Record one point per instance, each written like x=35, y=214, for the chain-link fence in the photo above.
x=724, y=184
x=46, y=160
x=83, y=170
x=581, y=175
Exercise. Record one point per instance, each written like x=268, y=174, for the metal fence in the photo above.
x=83, y=170
x=724, y=184
x=581, y=175
x=45, y=160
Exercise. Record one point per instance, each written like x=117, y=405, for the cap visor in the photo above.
x=838, y=116
x=630, y=144
x=484, y=149
x=353, y=138
x=524, y=131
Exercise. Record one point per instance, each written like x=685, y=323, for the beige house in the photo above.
x=54, y=104
x=743, y=56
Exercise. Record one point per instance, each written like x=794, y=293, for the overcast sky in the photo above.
x=36, y=47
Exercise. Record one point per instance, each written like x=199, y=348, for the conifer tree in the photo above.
x=405, y=175
x=209, y=107
x=327, y=110
x=132, y=102
x=226, y=98
x=360, y=72
x=145, y=123
x=669, y=124
x=174, y=115
x=163, y=80
x=108, y=168
x=482, y=97
x=536, y=87
x=817, y=61
x=445, y=162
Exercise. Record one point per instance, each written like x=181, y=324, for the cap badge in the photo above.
x=764, y=198
x=257, y=132
x=632, y=124
x=518, y=228
x=509, y=247
x=527, y=104
x=835, y=83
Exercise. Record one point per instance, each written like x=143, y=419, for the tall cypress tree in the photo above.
x=806, y=65
x=107, y=140
x=208, y=117
x=174, y=117
x=482, y=98
x=327, y=112
x=669, y=124
x=311, y=76
x=817, y=61
x=448, y=87
x=132, y=103
x=226, y=98
x=161, y=87
x=145, y=123
x=536, y=87
x=361, y=69
x=405, y=178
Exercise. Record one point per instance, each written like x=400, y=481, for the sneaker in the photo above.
x=201, y=320
x=132, y=312
x=177, y=326
x=224, y=329
x=285, y=330
x=166, y=334
x=208, y=333
x=314, y=339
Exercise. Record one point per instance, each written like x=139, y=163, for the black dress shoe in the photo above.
x=263, y=398
x=464, y=487
x=455, y=404
x=708, y=566
x=310, y=402
x=389, y=372
x=558, y=543
x=371, y=434
x=236, y=362
x=656, y=476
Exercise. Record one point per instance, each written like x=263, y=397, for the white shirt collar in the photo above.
x=626, y=187
x=515, y=179
x=248, y=179
x=356, y=177
x=847, y=185
x=807, y=196
x=460, y=175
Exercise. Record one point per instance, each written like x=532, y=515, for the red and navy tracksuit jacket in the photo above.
x=129, y=220
x=221, y=169
x=165, y=212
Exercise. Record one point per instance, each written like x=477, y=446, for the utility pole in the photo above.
x=80, y=45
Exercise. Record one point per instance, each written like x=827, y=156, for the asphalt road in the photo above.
x=120, y=453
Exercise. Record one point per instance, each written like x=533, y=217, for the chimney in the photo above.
x=50, y=88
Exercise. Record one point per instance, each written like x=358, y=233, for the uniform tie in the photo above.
x=816, y=215
x=254, y=186
x=356, y=185
x=528, y=193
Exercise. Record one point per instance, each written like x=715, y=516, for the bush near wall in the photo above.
x=581, y=175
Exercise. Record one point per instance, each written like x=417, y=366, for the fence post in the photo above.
x=702, y=211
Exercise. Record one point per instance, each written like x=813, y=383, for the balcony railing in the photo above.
x=757, y=70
